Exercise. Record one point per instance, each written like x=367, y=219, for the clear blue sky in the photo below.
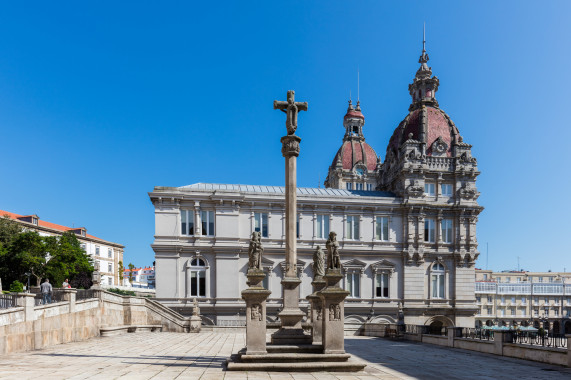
x=101, y=102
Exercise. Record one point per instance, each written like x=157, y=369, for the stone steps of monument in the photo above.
x=294, y=348
x=347, y=366
x=294, y=358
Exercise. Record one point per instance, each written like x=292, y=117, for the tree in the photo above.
x=131, y=267
x=121, y=271
x=68, y=259
x=30, y=248
x=9, y=229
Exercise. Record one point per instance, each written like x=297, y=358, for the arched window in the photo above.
x=437, y=280
x=197, y=278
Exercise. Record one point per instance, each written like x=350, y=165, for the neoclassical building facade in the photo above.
x=406, y=227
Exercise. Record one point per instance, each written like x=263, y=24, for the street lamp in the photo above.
x=28, y=274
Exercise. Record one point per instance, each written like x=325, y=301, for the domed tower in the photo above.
x=356, y=165
x=430, y=166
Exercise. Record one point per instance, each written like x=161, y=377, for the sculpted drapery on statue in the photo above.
x=255, y=251
x=333, y=259
x=318, y=263
x=291, y=108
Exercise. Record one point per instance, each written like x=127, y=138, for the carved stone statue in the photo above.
x=333, y=259
x=195, y=308
x=291, y=108
x=255, y=251
x=318, y=263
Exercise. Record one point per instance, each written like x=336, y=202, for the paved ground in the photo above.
x=201, y=356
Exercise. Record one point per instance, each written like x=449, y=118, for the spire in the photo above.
x=350, y=108
x=358, y=106
x=423, y=88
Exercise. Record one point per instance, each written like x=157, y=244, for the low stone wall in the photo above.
x=539, y=354
x=29, y=327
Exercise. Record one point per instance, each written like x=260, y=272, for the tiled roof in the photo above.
x=43, y=223
x=281, y=190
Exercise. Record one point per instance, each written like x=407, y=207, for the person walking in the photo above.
x=46, y=289
x=66, y=284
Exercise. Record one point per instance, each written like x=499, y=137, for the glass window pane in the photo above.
x=325, y=226
x=349, y=227
x=320, y=226
x=193, y=283
x=348, y=284
x=386, y=229
x=441, y=286
x=356, y=224
x=265, y=225
x=257, y=227
x=356, y=284
x=202, y=283
x=183, y=222
x=434, y=286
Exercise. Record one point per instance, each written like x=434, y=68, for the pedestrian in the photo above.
x=46, y=289
x=66, y=284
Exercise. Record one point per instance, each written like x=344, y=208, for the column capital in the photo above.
x=290, y=145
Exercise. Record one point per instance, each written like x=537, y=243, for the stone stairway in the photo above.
x=307, y=358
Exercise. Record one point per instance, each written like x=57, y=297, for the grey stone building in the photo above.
x=406, y=226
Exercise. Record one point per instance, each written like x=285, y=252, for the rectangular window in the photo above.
x=261, y=223
x=369, y=187
x=353, y=227
x=207, y=222
x=358, y=186
x=535, y=312
x=512, y=311
x=198, y=283
x=96, y=250
x=322, y=226
x=485, y=277
x=556, y=312
x=109, y=253
x=429, y=189
x=349, y=186
x=110, y=268
x=523, y=300
x=382, y=285
x=478, y=299
x=352, y=284
x=446, y=189
x=110, y=281
x=83, y=246
x=508, y=279
x=446, y=226
x=502, y=312
x=489, y=299
x=438, y=286
x=489, y=311
x=187, y=222
x=547, y=312
x=513, y=299
x=502, y=300
x=546, y=300
x=429, y=230
x=540, y=279
x=382, y=228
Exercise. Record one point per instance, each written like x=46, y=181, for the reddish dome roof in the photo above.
x=352, y=152
x=438, y=124
x=354, y=113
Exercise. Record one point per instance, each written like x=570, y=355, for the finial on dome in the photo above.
x=350, y=108
x=423, y=57
x=358, y=108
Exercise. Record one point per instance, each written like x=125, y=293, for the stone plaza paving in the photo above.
x=202, y=356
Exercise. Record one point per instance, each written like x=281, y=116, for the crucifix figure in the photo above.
x=291, y=108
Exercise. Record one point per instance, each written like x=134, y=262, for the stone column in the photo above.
x=69, y=295
x=316, y=310
x=332, y=301
x=26, y=300
x=255, y=297
x=291, y=331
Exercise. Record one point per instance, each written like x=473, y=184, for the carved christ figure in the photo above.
x=333, y=259
x=318, y=263
x=290, y=108
x=255, y=251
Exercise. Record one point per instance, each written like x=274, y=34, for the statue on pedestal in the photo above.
x=318, y=263
x=333, y=259
x=255, y=251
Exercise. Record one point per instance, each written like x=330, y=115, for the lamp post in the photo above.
x=28, y=274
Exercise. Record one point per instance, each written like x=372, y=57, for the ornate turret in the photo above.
x=355, y=164
x=423, y=88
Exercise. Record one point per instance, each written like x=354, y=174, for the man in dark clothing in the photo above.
x=46, y=288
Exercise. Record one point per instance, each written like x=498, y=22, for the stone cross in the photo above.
x=291, y=108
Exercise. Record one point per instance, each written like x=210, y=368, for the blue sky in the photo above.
x=102, y=101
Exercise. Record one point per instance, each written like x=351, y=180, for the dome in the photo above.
x=351, y=113
x=354, y=152
x=438, y=126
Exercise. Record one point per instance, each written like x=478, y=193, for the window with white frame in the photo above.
x=523, y=300
x=513, y=299
x=382, y=285
x=261, y=223
x=489, y=311
x=96, y=250
x=502, y=312
x=556, y=312
x=207, y=219
x=490, y=299
x=322, y=226
x=429, y=231
x=535, y=312
x=437, y=280
x=197, y=278
x=446, y=189
x=446, y=228
x=369, y=187
x=546, y=311
x=429, y=189
x=382, y=228
x=352, y=284
x=110, y=281
x=353, y=227
x=512, y=311
x=110, y=267
x=109, y=253
x=358, y=186
x=84, y=247
x=187, y=222
x=349, y=186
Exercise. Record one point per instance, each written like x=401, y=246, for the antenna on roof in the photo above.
x=424, y=36
x=349, y=94
x=357, y=83
x=318, y=181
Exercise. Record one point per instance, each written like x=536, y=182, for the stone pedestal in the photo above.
x=332, y=297
x=255, y=297
x=316, y=310
x=195, y=320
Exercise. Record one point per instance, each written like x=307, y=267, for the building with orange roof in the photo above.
x=105, y=253
x=142, y=277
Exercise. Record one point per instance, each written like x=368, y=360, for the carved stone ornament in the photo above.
x=334, y=312
x=466, y=158
x=255, y=251
x=256, y=314
x=333, y=258
x=318, y=263
x=467, y=192
x=290, y=145
x=415, y=190
x=318, y=312
x=291, y=109
x=439, y=147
